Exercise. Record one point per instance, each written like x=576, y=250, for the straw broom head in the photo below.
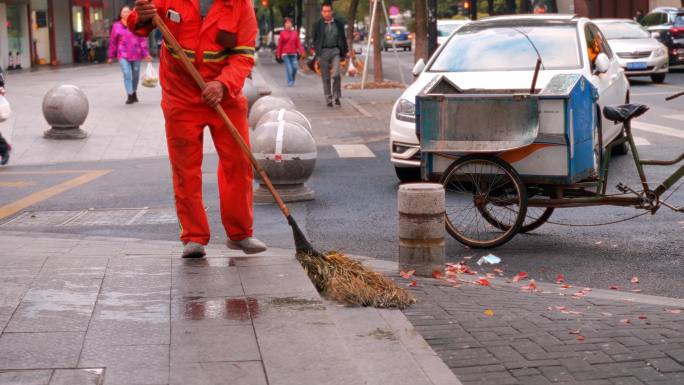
x=348, y=281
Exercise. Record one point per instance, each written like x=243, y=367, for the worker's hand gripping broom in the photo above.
x=333, y=273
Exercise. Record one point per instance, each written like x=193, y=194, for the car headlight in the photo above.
x=406, y=111
x=660, y=52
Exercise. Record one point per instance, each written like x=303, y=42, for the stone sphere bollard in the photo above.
x=286, y=115
x=250, y=92
x=421, y=228
x=265, y=104
x=65, y=108
x=287, y=152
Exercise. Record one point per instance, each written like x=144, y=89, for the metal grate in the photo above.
x=634, y=55
x=94, y=217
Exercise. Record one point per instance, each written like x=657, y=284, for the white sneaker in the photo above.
x=193, y=250
x=249, y=245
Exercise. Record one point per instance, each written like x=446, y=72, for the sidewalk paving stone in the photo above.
x=147, y=317
x=533, y=337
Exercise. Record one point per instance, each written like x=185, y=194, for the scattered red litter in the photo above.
x=413, y=283
x=580, y=338
x=613, y=287
x=483, y=282
x=560, y=278
x=498, y=271
x=626, y=321
x=561, y=308
x=407, y=274
x=635, y=279
x=437, y=274
x=531, y=287
x=674, y=311
x=521, y=275
x=451, y=280
x=642, y=317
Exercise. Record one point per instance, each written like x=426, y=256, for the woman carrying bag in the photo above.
x=289, y=47
x=129, y=50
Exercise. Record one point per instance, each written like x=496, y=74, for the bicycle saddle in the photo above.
x=624, y=112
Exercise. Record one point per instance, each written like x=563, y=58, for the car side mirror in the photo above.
x=601, y=63
x=418, y=67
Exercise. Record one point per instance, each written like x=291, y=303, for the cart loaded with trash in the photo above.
x=508, y=158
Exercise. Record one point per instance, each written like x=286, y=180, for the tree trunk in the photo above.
x=311, y=18
x=553, y=6
x=377, y=44
x=421, y=48
x=351, y=20
x=510, y=7
x=524, y=6
x=490, y=7
x=298, y=12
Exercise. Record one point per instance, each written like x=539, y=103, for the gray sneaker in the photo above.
x=193, y=250
x=249, y=245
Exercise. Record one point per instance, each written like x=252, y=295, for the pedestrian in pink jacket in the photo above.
x=129, y=50
x=288, y=48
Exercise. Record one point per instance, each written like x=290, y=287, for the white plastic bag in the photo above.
x=5, y=109
x=351, y=70
x=150, y=77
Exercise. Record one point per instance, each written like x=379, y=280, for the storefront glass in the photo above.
x=90, y=31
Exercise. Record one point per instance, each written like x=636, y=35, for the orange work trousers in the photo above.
x=184, y=137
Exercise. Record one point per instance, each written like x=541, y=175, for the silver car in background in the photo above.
x=637, y=52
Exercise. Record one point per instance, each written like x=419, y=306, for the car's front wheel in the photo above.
x=658, y=78
x=408, y=174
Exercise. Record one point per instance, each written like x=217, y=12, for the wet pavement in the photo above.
x=114, y=311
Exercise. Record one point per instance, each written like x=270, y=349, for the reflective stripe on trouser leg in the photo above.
x=234, y=171
x=184, y=130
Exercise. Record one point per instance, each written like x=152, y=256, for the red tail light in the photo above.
x=677, y=31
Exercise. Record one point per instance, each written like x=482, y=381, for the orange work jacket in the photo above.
x=221, y=46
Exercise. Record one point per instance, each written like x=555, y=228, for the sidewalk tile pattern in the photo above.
x=546, y=338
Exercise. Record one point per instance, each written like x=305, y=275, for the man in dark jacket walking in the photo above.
x=331, y=46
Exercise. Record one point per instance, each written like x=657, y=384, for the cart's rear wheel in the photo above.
x=535, y=217
x=477, y=181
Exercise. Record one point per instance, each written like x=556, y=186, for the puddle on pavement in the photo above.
x=237, y=309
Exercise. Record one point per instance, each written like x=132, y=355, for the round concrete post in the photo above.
x=286, y=115
x=287, y=152
x=250, y=92
x=421, y=228
x=65, y=108
x=265, y=104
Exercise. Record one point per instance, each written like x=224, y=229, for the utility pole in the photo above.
x=432, y=27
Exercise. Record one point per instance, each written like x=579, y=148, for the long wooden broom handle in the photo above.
x=171, y=40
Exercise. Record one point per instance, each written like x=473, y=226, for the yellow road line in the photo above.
x=19, y=184
x=37, y=197
x=50, y=172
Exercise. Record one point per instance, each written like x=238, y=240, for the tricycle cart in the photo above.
x=508, y=158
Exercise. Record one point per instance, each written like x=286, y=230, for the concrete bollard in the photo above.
x=421, y=228
x=250, y=92
x=286, y=115
x=288, y=153
x=265, y=104
x=65, y=108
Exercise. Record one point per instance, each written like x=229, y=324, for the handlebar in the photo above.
x=674, y=96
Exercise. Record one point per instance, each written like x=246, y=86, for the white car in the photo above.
x=500, y=53
x=445, y=27
x=637, y=52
